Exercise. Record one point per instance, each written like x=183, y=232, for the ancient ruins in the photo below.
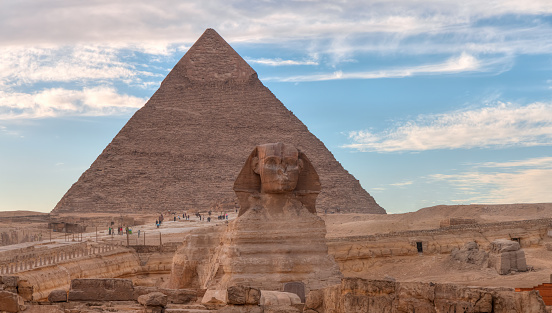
x=184, y=148
x=179, y=215
x=277, y=238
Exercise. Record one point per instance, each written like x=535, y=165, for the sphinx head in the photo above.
x=278, y=166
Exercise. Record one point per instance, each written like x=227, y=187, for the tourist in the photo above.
x=156, y=222
x=138, y=233
x=209, y=219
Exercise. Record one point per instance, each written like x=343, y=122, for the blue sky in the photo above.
x=425, y=102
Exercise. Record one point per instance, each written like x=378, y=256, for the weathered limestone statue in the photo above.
x=277, y=238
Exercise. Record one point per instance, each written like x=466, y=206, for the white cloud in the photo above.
x=463, y=63
x=520, y=181
x=400, y=184
x=63, y=64
x=280, y=62
x=502, y=125
x=55, y=102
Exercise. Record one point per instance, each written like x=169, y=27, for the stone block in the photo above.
x=153, y=299
x=58, y=295
x=278, y=298
x=25, y=290
x=175, y=296
x=10, y=281
x=101, y=289
x=520, y=261
x=10, y=302
x=236, y=294
x=253, y=296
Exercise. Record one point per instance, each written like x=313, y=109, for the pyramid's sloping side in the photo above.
x=184, y=149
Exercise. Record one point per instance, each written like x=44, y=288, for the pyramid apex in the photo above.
x=211, y=59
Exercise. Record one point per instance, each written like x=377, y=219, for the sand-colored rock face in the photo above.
x=184, y=148
x=278, y=237
x=359, y=295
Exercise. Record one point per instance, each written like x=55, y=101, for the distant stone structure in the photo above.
x=183, y=149
x=276, y=240
x=507, y=256
x=457, y=221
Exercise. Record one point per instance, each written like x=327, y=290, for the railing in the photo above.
x=35, y=259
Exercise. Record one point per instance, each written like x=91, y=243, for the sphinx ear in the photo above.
x=300, y=164
x=255, y=165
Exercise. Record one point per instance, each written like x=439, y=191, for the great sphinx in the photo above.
x=277, y=237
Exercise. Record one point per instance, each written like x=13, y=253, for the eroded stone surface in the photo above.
x=58, y=295
x=506, y=256
x=277, y=239
x=360, y=295
x=101, y=289
x=10, y=302
x=153, y=299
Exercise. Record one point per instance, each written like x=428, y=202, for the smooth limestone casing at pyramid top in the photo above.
x=185, y=147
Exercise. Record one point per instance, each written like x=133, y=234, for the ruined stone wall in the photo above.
x=360, y=295
x=353, y=253
x=43, y=280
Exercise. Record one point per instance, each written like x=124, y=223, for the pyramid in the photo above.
x=184, y=149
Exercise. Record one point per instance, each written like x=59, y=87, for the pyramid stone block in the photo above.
x=184, y=149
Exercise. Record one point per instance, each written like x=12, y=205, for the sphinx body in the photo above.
x=277, y=238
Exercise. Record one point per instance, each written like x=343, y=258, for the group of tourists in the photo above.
x=120, y=231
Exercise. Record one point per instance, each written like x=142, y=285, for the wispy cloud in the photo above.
x=64, y=64
x=502, y=125
x=507, y=182
x=56, y=102
x=280, y=62
x=462, y=63
x=401, y=184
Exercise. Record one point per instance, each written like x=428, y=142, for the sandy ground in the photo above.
x=343, y=225
x=426, y=268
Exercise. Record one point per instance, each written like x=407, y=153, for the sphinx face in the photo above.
x=279, y=166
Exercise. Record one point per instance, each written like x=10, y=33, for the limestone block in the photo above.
x=153, y=299
x=253, y=296
x=241, y=309
x=504, y=245
x=10, y=302
x=520, y=261
x=101, y=289
x=314, y=300
x=278, y=298
x=175, y=296
x=9, y=281
x=236, y=294
x=282, y=309
x=214, y=299
x=58, y=295
x=25, y=290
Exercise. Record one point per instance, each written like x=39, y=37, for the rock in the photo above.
x=153, y=299
x=10, y=302
x=253, y=296
x=241, y=309
x=469, y=254
x=237, y=294
x=175, y=296
x=360, y=295
x=278, y=298
x=58, y=295
x=215, y=299
x=504, y=245
x=506, y=256
x=277, y=231
x=314, y=300
x=101, y=289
